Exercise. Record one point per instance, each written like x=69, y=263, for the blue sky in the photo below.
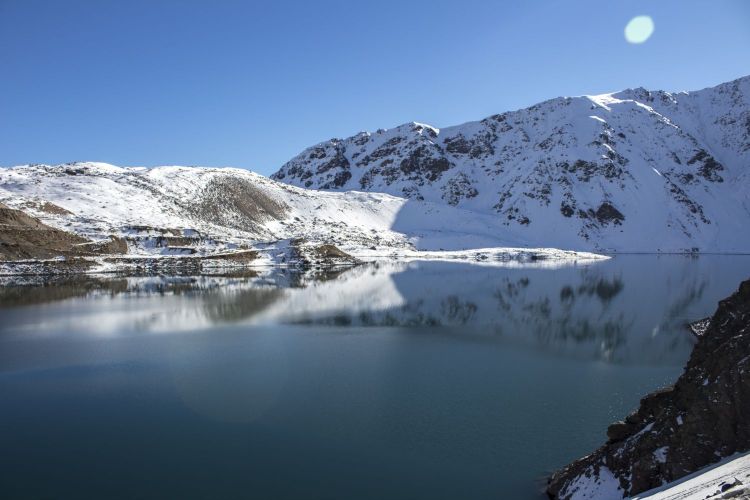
x=250, y=84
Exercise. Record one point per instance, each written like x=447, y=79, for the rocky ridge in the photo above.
x=635, y=170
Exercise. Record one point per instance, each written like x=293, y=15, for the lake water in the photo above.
x=410, y=380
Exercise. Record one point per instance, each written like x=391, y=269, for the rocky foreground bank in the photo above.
x=702, y=418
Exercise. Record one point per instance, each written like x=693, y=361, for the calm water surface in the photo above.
x=420, y=380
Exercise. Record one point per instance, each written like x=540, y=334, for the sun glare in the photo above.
x=639, y=29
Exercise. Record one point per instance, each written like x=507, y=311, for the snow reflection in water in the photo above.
x=629, y=309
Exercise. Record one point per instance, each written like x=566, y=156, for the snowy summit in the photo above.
x=633, y=171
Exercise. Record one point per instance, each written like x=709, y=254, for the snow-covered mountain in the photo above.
x=230, y=207
x=630, y=171
x=635, y=170
x=174, y=211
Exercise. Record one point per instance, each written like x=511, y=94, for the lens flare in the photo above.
x=639, y=29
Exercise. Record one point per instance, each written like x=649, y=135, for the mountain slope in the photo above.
x=170, y=207
x=22, y=236
x=628, y=171
x=179, y=211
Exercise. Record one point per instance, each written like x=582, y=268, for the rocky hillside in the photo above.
x=26, y=237
x=636, y=170
x=207, y=212
x=703, y=418
x=185, y=211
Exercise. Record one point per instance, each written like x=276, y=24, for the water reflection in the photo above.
x=628, y=309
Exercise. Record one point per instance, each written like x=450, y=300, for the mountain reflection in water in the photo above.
x=630, y=309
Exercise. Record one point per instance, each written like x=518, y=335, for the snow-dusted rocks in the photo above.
x=682, y=429
x=629, y=171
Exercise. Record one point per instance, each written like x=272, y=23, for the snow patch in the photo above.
x=591, y=486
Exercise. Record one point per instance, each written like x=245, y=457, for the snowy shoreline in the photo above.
x=174, y=264
x=716, y=480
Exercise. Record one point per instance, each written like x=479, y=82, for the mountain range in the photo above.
x=631, y=171
x=101, y=209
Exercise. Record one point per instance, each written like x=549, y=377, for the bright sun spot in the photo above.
x=639, y=29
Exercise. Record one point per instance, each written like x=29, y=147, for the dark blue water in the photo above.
x=426, y=380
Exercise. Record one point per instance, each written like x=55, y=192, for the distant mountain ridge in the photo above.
x=635, y=170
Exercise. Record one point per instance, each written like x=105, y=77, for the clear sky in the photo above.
x=250, y=84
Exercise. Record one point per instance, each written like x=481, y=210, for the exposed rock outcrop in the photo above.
x=25, y=237
x=305, y=255
x=679, y=430
x=114, y=245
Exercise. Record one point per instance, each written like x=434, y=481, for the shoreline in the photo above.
x=293, y=256
x=679, y=430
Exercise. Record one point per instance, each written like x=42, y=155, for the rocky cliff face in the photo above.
x=704, y=417
x=634, y=170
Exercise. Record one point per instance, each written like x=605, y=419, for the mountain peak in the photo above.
x=584, y=166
